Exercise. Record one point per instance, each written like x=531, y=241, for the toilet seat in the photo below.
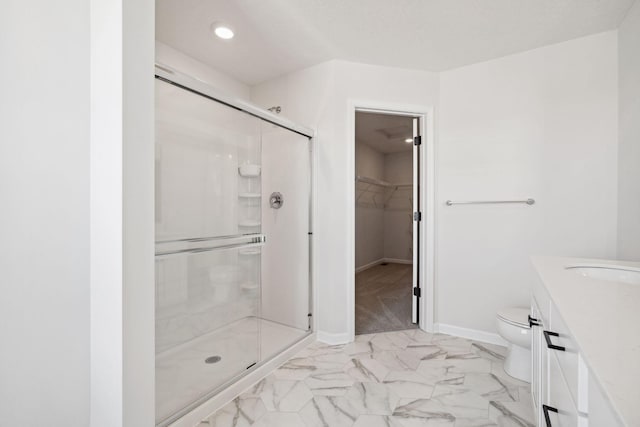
x=516, y=316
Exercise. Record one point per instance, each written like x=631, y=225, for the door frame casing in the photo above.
x=427, y=205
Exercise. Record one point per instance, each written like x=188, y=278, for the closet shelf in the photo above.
x=389, y=189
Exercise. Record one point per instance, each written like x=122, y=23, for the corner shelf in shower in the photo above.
x=250, y=224
x=249, y=195
x=249, y=286
x=249, y=171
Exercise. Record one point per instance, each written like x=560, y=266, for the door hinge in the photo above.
x=417, y=140
x=416, y=292
x=309, y=318
x=417, y=216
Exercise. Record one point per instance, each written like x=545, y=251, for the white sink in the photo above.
x=610, y=273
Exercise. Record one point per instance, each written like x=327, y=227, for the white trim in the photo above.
x=397, y=261
x=334, y=339
x=382, y=260
x=194, y=417
x=370, y=265
x=427, y=183
x=472, y=334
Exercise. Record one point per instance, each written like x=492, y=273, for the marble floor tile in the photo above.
x=408, y=384
x=460, y=401
x=490, y=351
x=366, y=369
x=475, y=422
x=491, y=387
x=399, y=379
x=372, y=398
x=285, y=396
x=329, y=383
x=423, y=410
x=376, y=421
x=512, y=414
x=280, y=419
x=239, y=413
x=397, y=360
x=329, y=411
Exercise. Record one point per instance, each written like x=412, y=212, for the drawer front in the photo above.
x=560, y=398
x=567, y=358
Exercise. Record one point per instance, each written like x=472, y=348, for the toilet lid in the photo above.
x=518, y=316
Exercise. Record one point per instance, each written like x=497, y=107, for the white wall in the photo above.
x=44, y=186
x=629, y=142
x=77, y=141
x=369, y=208
x=540, y=124
x=166, y=55
x=398, y=217
x=121, y=213
x=318, y=97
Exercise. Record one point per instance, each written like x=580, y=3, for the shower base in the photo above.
x=183, y=375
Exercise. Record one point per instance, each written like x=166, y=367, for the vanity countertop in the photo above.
x=604, y=318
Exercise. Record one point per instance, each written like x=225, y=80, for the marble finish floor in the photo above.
x=383, y=298
x=396, y=379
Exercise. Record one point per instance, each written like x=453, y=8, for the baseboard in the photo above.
x=218, y=401
x=369, y=265
x=381, y=260
x=472, y=334
x=398, y=261
x=333, y=339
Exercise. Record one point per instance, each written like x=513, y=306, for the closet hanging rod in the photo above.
x=489, y=202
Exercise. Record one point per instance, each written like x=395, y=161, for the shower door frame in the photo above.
x=427, y=236
x=218, y=397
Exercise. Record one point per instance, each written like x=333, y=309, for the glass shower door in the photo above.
x=209, y=246
x=286, y=187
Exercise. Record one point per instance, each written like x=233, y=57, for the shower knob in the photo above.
x=276, y=200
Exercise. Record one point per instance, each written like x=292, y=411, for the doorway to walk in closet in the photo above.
x=387, y=220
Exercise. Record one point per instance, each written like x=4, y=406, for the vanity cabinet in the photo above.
x=560, y=388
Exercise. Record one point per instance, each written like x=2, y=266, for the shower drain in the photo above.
x=213, y=359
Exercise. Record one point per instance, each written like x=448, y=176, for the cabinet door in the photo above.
x=564, y=412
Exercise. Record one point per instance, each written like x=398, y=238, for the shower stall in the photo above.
x=233, y=240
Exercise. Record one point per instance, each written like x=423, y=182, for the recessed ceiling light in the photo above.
x=222, y=31
x=408, y=140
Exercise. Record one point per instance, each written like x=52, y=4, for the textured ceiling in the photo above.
x=385, y=133
x=274, y=37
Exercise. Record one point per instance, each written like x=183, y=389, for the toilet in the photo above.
x=513, y=326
